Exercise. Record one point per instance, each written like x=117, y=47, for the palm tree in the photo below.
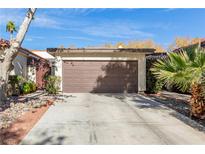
x=11, y=28
x=185, y=70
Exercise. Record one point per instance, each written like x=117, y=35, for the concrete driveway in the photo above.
x=112, y=119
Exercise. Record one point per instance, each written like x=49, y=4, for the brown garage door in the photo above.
x=100, y=76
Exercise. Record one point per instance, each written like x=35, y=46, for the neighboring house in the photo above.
x=101, y=70
x=28, y=65
x=20, y=63
x=200, y=44
x=164, y=54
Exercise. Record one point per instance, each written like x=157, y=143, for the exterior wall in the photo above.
x=142, y=73
x=58, y=70
x=104, y=54
x=20, y=66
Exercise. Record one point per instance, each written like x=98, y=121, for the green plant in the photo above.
x=26, y=88
x=52, y=84
x=184, y=70
x=153, y=85
x=11, y=28
x=15, y=81
x=32, y=86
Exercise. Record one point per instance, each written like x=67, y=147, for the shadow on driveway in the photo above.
x=142, y=102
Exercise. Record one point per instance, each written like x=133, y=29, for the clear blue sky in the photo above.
x=92, y=27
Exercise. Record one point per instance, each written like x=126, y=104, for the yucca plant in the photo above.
x=185, y=70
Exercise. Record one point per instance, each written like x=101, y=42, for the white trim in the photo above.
x=101, y=58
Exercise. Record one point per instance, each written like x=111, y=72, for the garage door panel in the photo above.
x=91, y=74
x=71, y=85
x=99, y=71
x=94, y=69
x=100, y=76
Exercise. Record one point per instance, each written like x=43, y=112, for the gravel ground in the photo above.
x=15, y=107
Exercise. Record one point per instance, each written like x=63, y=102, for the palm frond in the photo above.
x=177, y=70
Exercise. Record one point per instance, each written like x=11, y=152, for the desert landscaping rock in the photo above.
x=177, y=102
x=15, y=107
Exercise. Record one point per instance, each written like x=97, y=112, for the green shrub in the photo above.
x=15, y=81
x=153, y=85
x=32, y=86
x=26, y=88
x=52, y=84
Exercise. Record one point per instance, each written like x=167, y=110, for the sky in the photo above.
x=94, y=27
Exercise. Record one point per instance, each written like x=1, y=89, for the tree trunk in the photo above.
x=197, y=101
x=11, y=37
x=12, y=52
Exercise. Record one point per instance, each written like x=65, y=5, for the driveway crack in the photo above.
x=92, y=135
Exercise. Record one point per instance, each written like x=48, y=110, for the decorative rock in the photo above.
x=17, y=106
x=12, y=104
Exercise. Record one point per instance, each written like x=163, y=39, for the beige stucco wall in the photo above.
x=139, y=57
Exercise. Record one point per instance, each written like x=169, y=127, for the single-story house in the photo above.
x=101, y=70
x=29, y=65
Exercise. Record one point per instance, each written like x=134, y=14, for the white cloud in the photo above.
x=116, y=32
x=29, y=39
x=46, y=22
x=109, y=28
x=114, y=29
x=71, y=11
x=15, y=15
x=76, y=38
x=86, y=11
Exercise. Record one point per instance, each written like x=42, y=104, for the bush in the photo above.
x=15, y=81
x=32, y=86
x=153, y=85
x=52, y=84
x=26, y=88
